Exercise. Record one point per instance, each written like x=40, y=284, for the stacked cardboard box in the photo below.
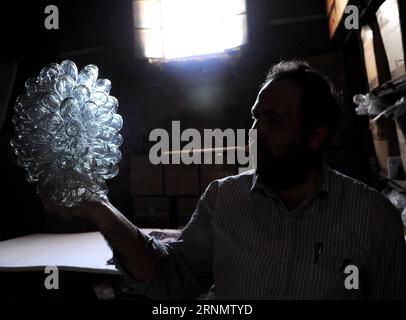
x=367, y=37
x=390, y=28
x=385, y=142
x=335, y=12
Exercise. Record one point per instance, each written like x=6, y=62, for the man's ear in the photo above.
x=317, y=136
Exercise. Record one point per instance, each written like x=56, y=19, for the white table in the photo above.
x=84, y=252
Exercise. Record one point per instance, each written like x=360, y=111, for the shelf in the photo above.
x=398, y=185
x=367, y=12
x=369, y=9
x=393, y=89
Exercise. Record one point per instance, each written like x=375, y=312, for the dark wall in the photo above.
x=202, y=94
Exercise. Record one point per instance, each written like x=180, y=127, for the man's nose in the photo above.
x=251, y=147
x=259, y=132
x=255, y=125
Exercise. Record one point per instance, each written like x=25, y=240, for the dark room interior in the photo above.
x=159, y=84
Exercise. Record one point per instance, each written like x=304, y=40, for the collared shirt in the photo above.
x=344, y=242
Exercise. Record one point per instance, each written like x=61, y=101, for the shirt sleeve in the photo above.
x=182, y=268
x=386, y=270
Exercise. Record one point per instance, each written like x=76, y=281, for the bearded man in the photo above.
x=291, y=229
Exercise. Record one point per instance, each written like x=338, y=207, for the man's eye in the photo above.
x=273, y=119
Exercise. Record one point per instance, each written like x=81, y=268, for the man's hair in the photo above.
x=319, y=103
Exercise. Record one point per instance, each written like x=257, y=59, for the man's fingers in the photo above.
x=48, y=204
x=51, y=206
x=84, y=210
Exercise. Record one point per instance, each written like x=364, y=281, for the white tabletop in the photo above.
x=77, y=252
x=86, y=252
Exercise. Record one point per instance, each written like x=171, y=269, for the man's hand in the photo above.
x=88, y=210
x=124, y=237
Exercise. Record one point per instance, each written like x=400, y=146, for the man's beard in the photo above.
x=288, y=170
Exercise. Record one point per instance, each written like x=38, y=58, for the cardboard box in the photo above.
x=181, y=179
x=369, y=57
x=151, y=206
x=186, y=207
x=340, y=5
x=329, y=6
x=401, y=133
x=146, y=178
x=210, y=172
x=335, y=14
x=333, y=21
x=152, y=212
x=385, y=142
x=389, y=24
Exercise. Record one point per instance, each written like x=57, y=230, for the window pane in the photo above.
x=235, y=31
x=147, y=14
x=234, y=7
x=191, y=28
x=150, y=41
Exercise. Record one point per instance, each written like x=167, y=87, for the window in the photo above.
x=171, y=29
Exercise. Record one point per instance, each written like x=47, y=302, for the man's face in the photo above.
x=283, y=154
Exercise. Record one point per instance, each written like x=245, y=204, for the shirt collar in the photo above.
x=323, y=186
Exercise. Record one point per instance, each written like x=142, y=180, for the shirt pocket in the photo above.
x=329, y=276
x=336, y=262
x=327, y=268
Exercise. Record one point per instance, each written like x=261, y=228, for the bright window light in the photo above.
x=172, y=29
